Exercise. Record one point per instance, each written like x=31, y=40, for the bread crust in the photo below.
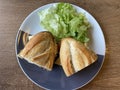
x=75, y=56
x=41, y=50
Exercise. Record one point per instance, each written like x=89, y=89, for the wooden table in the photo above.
x=13, y=12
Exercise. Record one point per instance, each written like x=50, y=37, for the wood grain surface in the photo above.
x=13, y=12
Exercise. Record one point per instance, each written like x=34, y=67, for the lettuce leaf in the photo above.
x=63, y=20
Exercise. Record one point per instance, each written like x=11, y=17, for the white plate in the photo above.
x=56, y=79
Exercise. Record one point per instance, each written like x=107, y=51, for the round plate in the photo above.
x=56, y=79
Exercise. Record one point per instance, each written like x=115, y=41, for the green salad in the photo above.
x=63, y=20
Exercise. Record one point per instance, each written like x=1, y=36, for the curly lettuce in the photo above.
x=63, y=20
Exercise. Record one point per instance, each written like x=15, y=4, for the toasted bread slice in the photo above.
x=74, y=56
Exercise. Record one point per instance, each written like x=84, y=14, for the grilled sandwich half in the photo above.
x=74, y=56
x=40, y=50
